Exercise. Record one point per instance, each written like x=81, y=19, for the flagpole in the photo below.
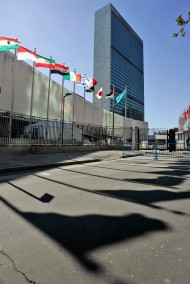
x=102, y=107
x=125, y=101
x=13, y=95
x=125, y=110
x=62, y=109
x=73, y=95
x=47, y=116
x=113, y=106
x=102, y=116
x=73, y=110
x=32, y=90
x=74, y=83
x=84, y=99
x=84, y=106
x=93, y=109
x=31, y=100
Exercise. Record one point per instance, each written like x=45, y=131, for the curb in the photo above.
x=50, y=165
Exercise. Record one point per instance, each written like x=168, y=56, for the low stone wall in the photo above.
x=11, y=150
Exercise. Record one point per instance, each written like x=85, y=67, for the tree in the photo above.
x=181, y=22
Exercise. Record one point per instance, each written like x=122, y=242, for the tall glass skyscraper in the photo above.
x=118, y=62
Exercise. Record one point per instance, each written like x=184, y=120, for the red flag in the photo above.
x=185, y=115
x=94, y=82
x=188, y=111
x=60, y=69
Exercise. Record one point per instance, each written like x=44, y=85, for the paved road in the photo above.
x=122, y=221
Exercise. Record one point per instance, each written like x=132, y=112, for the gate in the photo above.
x=157, y=143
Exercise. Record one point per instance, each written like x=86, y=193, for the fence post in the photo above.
x=123, y=149
x=155, y=151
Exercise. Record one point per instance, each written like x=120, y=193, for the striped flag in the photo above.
x=111, y=95
x=60, y=69
x=42, y=61
x=71, y=76
x=7, y=43
x=26, y=54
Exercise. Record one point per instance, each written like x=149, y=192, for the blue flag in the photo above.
x=119, y=97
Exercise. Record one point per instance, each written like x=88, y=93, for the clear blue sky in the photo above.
x=65, y=30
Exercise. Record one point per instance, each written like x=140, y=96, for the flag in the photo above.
x=7, y=43
x=120, y=97
x=44, y=62
x=90, y=89
x=99, y=94
x=24, y=54
x=111, y=95
x=188, y=111
x=71, y=76
x=83, y=81
x=91, y=82
x=185, y=115
x=60, y=69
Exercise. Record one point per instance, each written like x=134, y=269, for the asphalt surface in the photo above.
x=111, y=220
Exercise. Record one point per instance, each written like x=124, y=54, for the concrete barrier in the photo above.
x=11, y=150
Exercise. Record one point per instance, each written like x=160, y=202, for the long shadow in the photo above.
x=175, y=171
x=147, y=197
x=156, y=196
x=159, y=181
x=46, y=198
x=182, y=162
x=79, y=235
x=167, y=181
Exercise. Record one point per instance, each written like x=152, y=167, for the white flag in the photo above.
x=99, y=94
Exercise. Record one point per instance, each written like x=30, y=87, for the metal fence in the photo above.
x=156, y=150
x=18, y=129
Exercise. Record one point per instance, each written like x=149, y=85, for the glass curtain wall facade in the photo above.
x=118, y=63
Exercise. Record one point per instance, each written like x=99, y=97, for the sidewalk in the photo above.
x=31, y=161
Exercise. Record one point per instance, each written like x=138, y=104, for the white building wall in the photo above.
x=16, y=81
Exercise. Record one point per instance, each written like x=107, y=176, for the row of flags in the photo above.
x=185, y=115
x=183, y=118
x=23, y=53
x=111, y=95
